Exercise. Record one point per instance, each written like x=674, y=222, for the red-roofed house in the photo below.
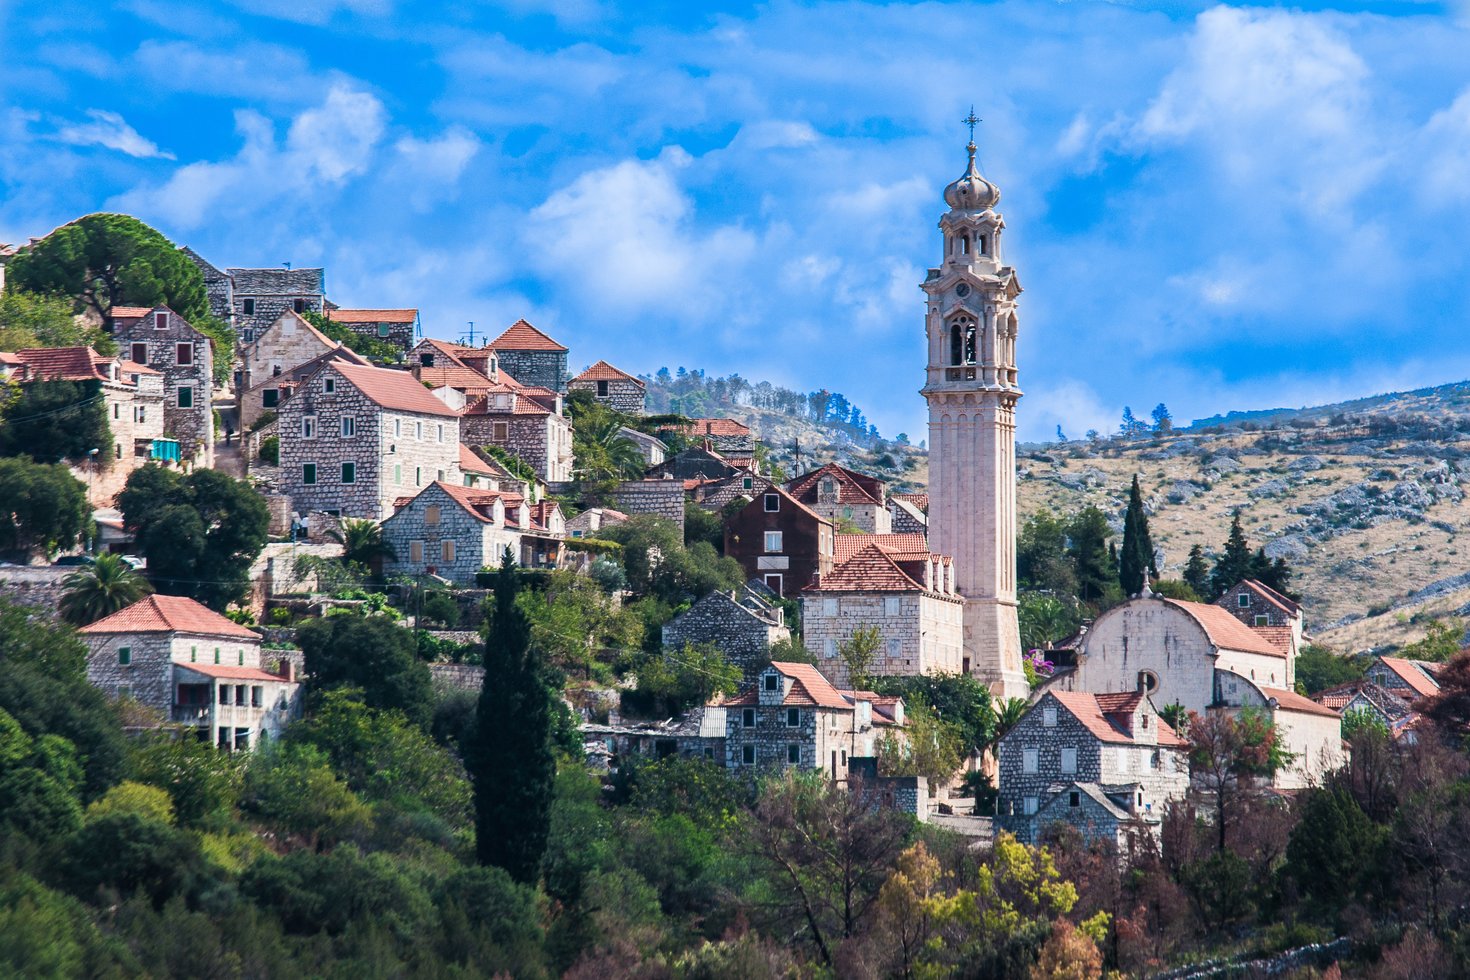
x=517, y=420
x=1409, y=679
x=792, y=716
x=845, y=497
x=1310, y=731
x=354, y=439
x=396, y=327
x=909, y=599
x=1268, y=612
x=612, y=387
x=531, y=356
x=193, y=666
x=722, y=435
x=1102, y=763
x=780, y=541
x=169, y=344
x=453, y=531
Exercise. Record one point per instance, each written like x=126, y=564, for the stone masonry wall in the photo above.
x=622, y=396
x=148, y=675
x=543, y=441
x=192, y=426
x=475, y=543
x=535, y=367
x=664, y=498
x=741, y=636
x=925, y=637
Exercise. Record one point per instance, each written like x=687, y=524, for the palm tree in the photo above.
x=605, y=453
x=362, y=543
x=101, y=589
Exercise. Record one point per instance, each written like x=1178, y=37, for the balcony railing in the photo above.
x=190, y=714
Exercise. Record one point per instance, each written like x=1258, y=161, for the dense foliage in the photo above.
x=57, y=420
x=44, y=508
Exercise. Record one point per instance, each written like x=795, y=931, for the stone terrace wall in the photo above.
x=36, y=586
x=662, y=497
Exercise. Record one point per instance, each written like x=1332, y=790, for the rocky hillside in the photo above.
x=1364, y=499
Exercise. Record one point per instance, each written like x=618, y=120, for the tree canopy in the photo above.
x=43, y=507
x=55, y=420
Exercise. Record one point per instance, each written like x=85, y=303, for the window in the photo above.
x=329, y=385
x=1263, y=620
x=142, y=411
x=186, y=396
x=398, y=474
x=270, y=398
x=829, y=607
x=116, y=448
x=224, y=694
x=1069, y=759
x=418, y=476
x=160, y=321
x=299, y=305
x=773, y=682
x=415, y=551
x=892, y=605
x=249, y=307
x=1148, y=681
x=431, y=514
x=349, y=426
x=1243, y=600
x=1030, y=760
x=241, y=654
x=384, y=330
x=747, y=718
x=308, y=426
x=747, y=755
x=793, y=754
x=602, y=389
x=427, y=359
x=500, y=431
x=1074, y=798
x=1122, y=759
x=183, y=354
x=793, y=717
x=1029, y=806
x=193, y=655
x=774, y=583
x=216, y=654
x=448, y=551
x=829, y=645
x=773, y=540
x=140, y=354
x=747, y=483
x=895, y=648
x=441, y=433
x=247, y=335
x=349, y=472
x=398, y=427
x=418, y=430
x=308, y=473
x=255, y=693
x=124, y=655
x=1049, y=716
x=773, y=503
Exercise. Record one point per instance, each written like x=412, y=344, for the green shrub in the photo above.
x=270, y=450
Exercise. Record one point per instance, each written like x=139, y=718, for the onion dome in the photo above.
x=972, y=192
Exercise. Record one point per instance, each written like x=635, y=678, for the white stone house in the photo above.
x=909, y=598
x=164, y=341
x=611, y=386
x=793, y=717
x=453, y=531
x=1310, y=732
x=195, y=668
x=355, y=439
x=1103, y=763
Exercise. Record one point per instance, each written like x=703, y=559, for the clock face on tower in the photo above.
x=962, y=290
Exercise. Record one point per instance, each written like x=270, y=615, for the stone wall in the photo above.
x=192, y=426
x=35, y=586
x=398, y=333
x=135, y=418
x=147, y=677
x=287, y=343
x=744, y=637
x=622, y=395
x=535, y=367
x=544, y=442
x=926, y=635
x=464, y=677
x=664, y=498
x=867, y=518
x=476, y=543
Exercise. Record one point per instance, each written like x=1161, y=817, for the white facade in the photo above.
x=971, y=387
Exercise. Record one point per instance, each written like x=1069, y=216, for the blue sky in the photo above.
x=1215, y=207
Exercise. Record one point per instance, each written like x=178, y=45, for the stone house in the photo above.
x=1409, y=679
x=165, y=342
x=614, y=388
x=133, y=406
x=695, y=463
x=792, y=716
x=453, y=531
x=396, y=327
x=661, y=498
x=517, y=420
x=272, y=392
x=726, y=436
x=593, y=520
x=845, y=497
x=908, y=597
x=719, y=494
x=1268, y=612
x=652, y=449
x=743, y=624
x=195, y=668
x=1103, y=763
x=542, y=541
x=355, y=439
x=909, y=513
x=780, y=541
x=700, y=734
x=259, y=296
x=440, y=363
x=217, y=286
x=531, y=357
x=1390, y=708
x=1311, y=732
x=284, y=354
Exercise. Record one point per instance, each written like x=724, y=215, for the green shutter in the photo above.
x=124, y=655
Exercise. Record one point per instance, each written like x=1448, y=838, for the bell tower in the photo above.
x=971, y=388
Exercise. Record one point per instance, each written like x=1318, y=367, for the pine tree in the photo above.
x=1197, y=572
x=1089, y=533
x=1163, y=421
x=509, y=754
x=1137, y=558
x=1130, y=423
x=1235, y=563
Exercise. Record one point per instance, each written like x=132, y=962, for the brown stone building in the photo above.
x=259, y=296
x=616, y=389
x=532, y=357
x=743, y=624
x=845, y=497
x=165, y=342
x=780, y=541
x=283, y=355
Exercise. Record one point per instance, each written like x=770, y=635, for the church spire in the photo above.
x=972, y=192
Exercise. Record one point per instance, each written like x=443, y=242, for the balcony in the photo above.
x=190, y=714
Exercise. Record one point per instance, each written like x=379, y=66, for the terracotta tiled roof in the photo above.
x=226, y=672
x=852, y=487
x=471, y=499
x=1292, y=701
x=919, y=500
x=62, y=363
x=374, y=316
x=603, y=371
x=130, y=312
x=522, y=336
x=542, y=510
x=395, y=390
x=1279, y=637
x=169, y=614
x=520, y=405
x=1272, y=596
x=470, y=463
x=133, y=367
x=714, y=427
x=455, y=375
x=846, y=546
x=1224, y=630
x=811, y=684
x=1411, y=675
x=1391, y=703
x=870, y=570
x=1092, y=710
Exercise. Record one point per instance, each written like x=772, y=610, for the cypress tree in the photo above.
x=1235, y=563
x=1197, y=572
x=509, y=753
x=1137, y=558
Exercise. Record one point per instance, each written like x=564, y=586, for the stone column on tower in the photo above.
x=971, y=388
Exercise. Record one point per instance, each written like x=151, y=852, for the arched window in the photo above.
x=964, y=244
x=982, y=244
x=969, y=341
x=1148, y=681
x=956, y=344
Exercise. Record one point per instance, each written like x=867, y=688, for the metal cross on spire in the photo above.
x=972, y=121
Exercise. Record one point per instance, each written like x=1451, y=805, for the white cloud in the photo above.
x=1070, y=403
x=110, y=130
x=1444, y=149
x=315, y=11
x=250, y=70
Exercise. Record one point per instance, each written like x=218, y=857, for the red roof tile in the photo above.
x=130, y=312
x=1092, y=710
x=522, y=336
x=852, y=487
x=373, y=316
x=714, y=427
x=846, y=546
x=453, y=375
x=603, y=371
x=231, y=673
x=133, y=367
x=395, y=390
x=919, y=500
x=471, y=463
x=1279, y=637
x=62, y=363
x=870, y=570
x=1411, y=675
x=1224, y=630
x=1292, y=701
x=169, y=614
x=471, y=499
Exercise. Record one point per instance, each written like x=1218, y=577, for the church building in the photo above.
x=971, y=387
